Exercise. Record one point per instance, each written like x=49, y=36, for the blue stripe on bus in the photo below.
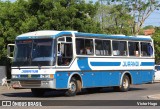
x=105, y=63
x=83, y=63
x=32, y=37
x=79, y=34
x=147, y=63
x=61, y=34
x=23, y=38
x=118, y=63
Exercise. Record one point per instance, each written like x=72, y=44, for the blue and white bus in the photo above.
x=71, y=61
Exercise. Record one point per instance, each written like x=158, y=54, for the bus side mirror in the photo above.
x=10, y=50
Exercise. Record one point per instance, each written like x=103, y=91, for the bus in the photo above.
x=72, y=61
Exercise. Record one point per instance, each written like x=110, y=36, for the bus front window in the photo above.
x=42, y=50
x=37, y=52
x=23, y=51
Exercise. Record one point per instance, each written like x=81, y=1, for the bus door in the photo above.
x=64, y=51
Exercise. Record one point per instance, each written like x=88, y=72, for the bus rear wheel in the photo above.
x=124, y=87
x=74, y=87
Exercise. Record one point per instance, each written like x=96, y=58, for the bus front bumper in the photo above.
x=33, y=83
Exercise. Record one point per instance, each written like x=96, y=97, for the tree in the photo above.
x=115, y=19
x=156, y=37
x=6, y=28
x=148, y=27
x=60, y=15
x=139, y=9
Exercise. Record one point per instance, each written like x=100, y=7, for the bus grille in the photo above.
x=30, y=83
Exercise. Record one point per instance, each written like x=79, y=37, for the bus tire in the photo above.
x=74, y=87
x=79, y=84
x=38, y=92
x=124, y=87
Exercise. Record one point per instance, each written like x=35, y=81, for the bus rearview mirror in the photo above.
x=10, y=50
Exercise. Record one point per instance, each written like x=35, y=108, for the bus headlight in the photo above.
x=44, y=76
x=47, y=76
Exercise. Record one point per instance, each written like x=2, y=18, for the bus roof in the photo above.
x=43, y=33
x=55, y=34
x=120, y=37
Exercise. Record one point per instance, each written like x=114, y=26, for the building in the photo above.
x=148, y=32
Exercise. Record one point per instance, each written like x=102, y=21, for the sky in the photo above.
x=153, y=19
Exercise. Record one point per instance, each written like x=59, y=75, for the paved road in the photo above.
x=137, y=92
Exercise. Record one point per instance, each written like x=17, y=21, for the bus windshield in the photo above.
x=36, y=52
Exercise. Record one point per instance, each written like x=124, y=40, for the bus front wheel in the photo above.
x=74, y=87
x=124, y=87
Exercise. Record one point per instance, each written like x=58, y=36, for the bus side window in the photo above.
x=107, y=47
x=115, y=48
x=99, y=47
x=146, y=49
x=66, y=54
x=150, y=49
x=103, y=47
x=80, y=46
x=133, y=48
x=84, y=46
x=119, y=48
x=89, y=46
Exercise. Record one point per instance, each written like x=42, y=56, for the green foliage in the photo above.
x=115, y=19
x=24, y=16
x=148, y=27
x=156, y=37
x=139, y=10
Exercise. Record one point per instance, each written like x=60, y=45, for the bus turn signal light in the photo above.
x=51, y=76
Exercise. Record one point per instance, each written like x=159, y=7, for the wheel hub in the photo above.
x=125, y=83
x=72, y=86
